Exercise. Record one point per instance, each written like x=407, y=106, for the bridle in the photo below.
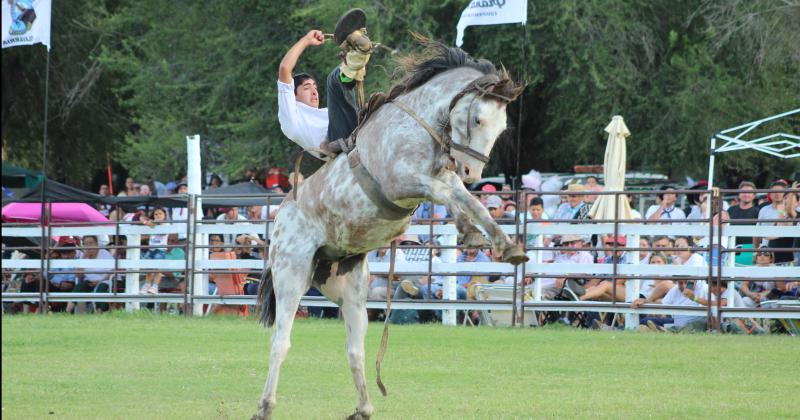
x=483, y=86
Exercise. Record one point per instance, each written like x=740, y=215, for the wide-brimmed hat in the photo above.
x=350, y=21
x=571, y=238
x=575, y=188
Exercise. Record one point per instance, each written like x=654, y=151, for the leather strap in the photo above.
x=371, y=187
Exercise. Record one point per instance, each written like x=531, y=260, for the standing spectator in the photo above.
x=429, y=210
x=507, y=198
x=665, y=209
x=535, y=211
x=776, y=210
x=592, y=181
x=745, y=210
x=130, y=188
x=180, y=214
x=103, y=208
x=214, y=182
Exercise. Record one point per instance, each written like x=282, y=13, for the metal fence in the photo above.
x=520, y=299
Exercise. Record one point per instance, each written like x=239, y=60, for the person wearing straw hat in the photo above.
x=574, y=208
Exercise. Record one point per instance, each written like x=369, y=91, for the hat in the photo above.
x=575, y=188
x=224, y=209
x=621, y=240
x=350, y=21
x=571, y=238
x=494, y=201
x=66, y=241
x=410, y=240
x=488, y=188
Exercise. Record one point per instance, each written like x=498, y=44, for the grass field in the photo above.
x=148, y=366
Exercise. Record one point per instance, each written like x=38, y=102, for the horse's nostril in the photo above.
x=466, y=170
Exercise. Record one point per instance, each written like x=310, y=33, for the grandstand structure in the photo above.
x=517, y=302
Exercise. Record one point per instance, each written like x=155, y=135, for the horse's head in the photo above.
x=477, y=117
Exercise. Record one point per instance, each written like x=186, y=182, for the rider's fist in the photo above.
x=314, y=37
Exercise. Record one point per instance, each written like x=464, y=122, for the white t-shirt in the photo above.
x=673, y=214
x=307, y=126
x=179, y=214
x=676, y=298
x=94, y=277
x=696, y=260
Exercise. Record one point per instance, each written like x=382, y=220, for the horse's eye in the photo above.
x=477, y=121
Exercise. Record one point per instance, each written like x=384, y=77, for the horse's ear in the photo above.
x=506, y=86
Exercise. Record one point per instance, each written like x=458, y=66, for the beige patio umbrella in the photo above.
x=614, y=171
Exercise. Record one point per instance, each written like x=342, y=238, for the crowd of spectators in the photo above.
x=583, y=250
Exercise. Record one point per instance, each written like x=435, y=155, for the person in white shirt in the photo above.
x=299, y=114
x=665, y=208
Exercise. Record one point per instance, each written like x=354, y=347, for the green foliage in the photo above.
x=151, y=72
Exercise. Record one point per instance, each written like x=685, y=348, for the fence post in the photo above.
x=632, y=286
x=134, y=243
x=449, y=292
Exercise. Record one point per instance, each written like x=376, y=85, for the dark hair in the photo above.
x=299, y=79
x=89, y=236
x=660, y=237
x=664, y=188
x=747, y=184
x=688, y=239
x=536, y=201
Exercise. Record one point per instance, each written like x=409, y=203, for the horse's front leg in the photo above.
x=451, y=190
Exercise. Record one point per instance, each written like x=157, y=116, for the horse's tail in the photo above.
x=266, y=299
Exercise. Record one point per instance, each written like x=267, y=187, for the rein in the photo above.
x=483, y=85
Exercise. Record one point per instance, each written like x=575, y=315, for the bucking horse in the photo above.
x=422, y=141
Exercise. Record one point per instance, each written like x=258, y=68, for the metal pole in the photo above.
x=711, y=171
x=519, y=118
x=42, y=216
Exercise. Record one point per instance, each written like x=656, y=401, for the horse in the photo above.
x=432, y=133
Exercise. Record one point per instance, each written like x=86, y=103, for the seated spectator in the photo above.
x=570, y=254
x=665, y=242
x=652, y=291
x=777, y=209
x=756, y=291
x=687, y=256
x=156, y=248
x=684, y=293
x=644, y=256
x=495, y=206
x=174, y=278
x=464, y=282
x=606, y=290
x=665, y=209
x=145, y=190
x=574, y=208
x=91, y=280
x=227, y=283
x=429, y=210
x=103, y=208
x=64, y=279
x=507, y=198
x=486, y=188
x=535, y=211
x=379, y=283
x=230, y=215
x=416, y=287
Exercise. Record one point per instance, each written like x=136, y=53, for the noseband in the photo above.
x=483, y=86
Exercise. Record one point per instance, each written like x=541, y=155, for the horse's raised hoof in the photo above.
x=514, y=255
x=475, y=239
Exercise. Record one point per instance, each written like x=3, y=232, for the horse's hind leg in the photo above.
x=350, y=292
x=291, y=276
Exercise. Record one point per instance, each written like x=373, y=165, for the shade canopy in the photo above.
x=59, y=213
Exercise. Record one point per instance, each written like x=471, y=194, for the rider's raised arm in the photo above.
x=289, y=61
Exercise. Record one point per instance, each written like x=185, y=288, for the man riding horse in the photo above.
x=301, y=119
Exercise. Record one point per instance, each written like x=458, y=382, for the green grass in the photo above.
x=147, y=366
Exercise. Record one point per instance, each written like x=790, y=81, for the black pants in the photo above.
x=342, y=107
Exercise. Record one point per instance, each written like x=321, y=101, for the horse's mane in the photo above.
x=435, y=59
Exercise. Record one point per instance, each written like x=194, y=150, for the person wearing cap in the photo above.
x=495, y=206
x=779, y=208
x=574, y=208
x=665, y=209
x=64, y=279
x=570, y=253
x=230, y=215
x=746, y=209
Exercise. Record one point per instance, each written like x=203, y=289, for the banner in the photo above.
x=26, y=22
x=491, y=12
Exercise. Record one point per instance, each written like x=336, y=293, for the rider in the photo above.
x=300, y=117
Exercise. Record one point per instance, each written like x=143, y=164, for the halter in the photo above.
x=483, y=85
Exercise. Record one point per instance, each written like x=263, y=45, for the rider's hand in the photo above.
x=314, y=37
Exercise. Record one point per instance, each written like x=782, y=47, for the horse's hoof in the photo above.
x=358, y=416
x=475, y=239
x=514, y=255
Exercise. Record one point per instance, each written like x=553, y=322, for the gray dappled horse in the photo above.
x=422, y=141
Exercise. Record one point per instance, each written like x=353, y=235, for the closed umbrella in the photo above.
x=614, y=171
x=59, y=213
